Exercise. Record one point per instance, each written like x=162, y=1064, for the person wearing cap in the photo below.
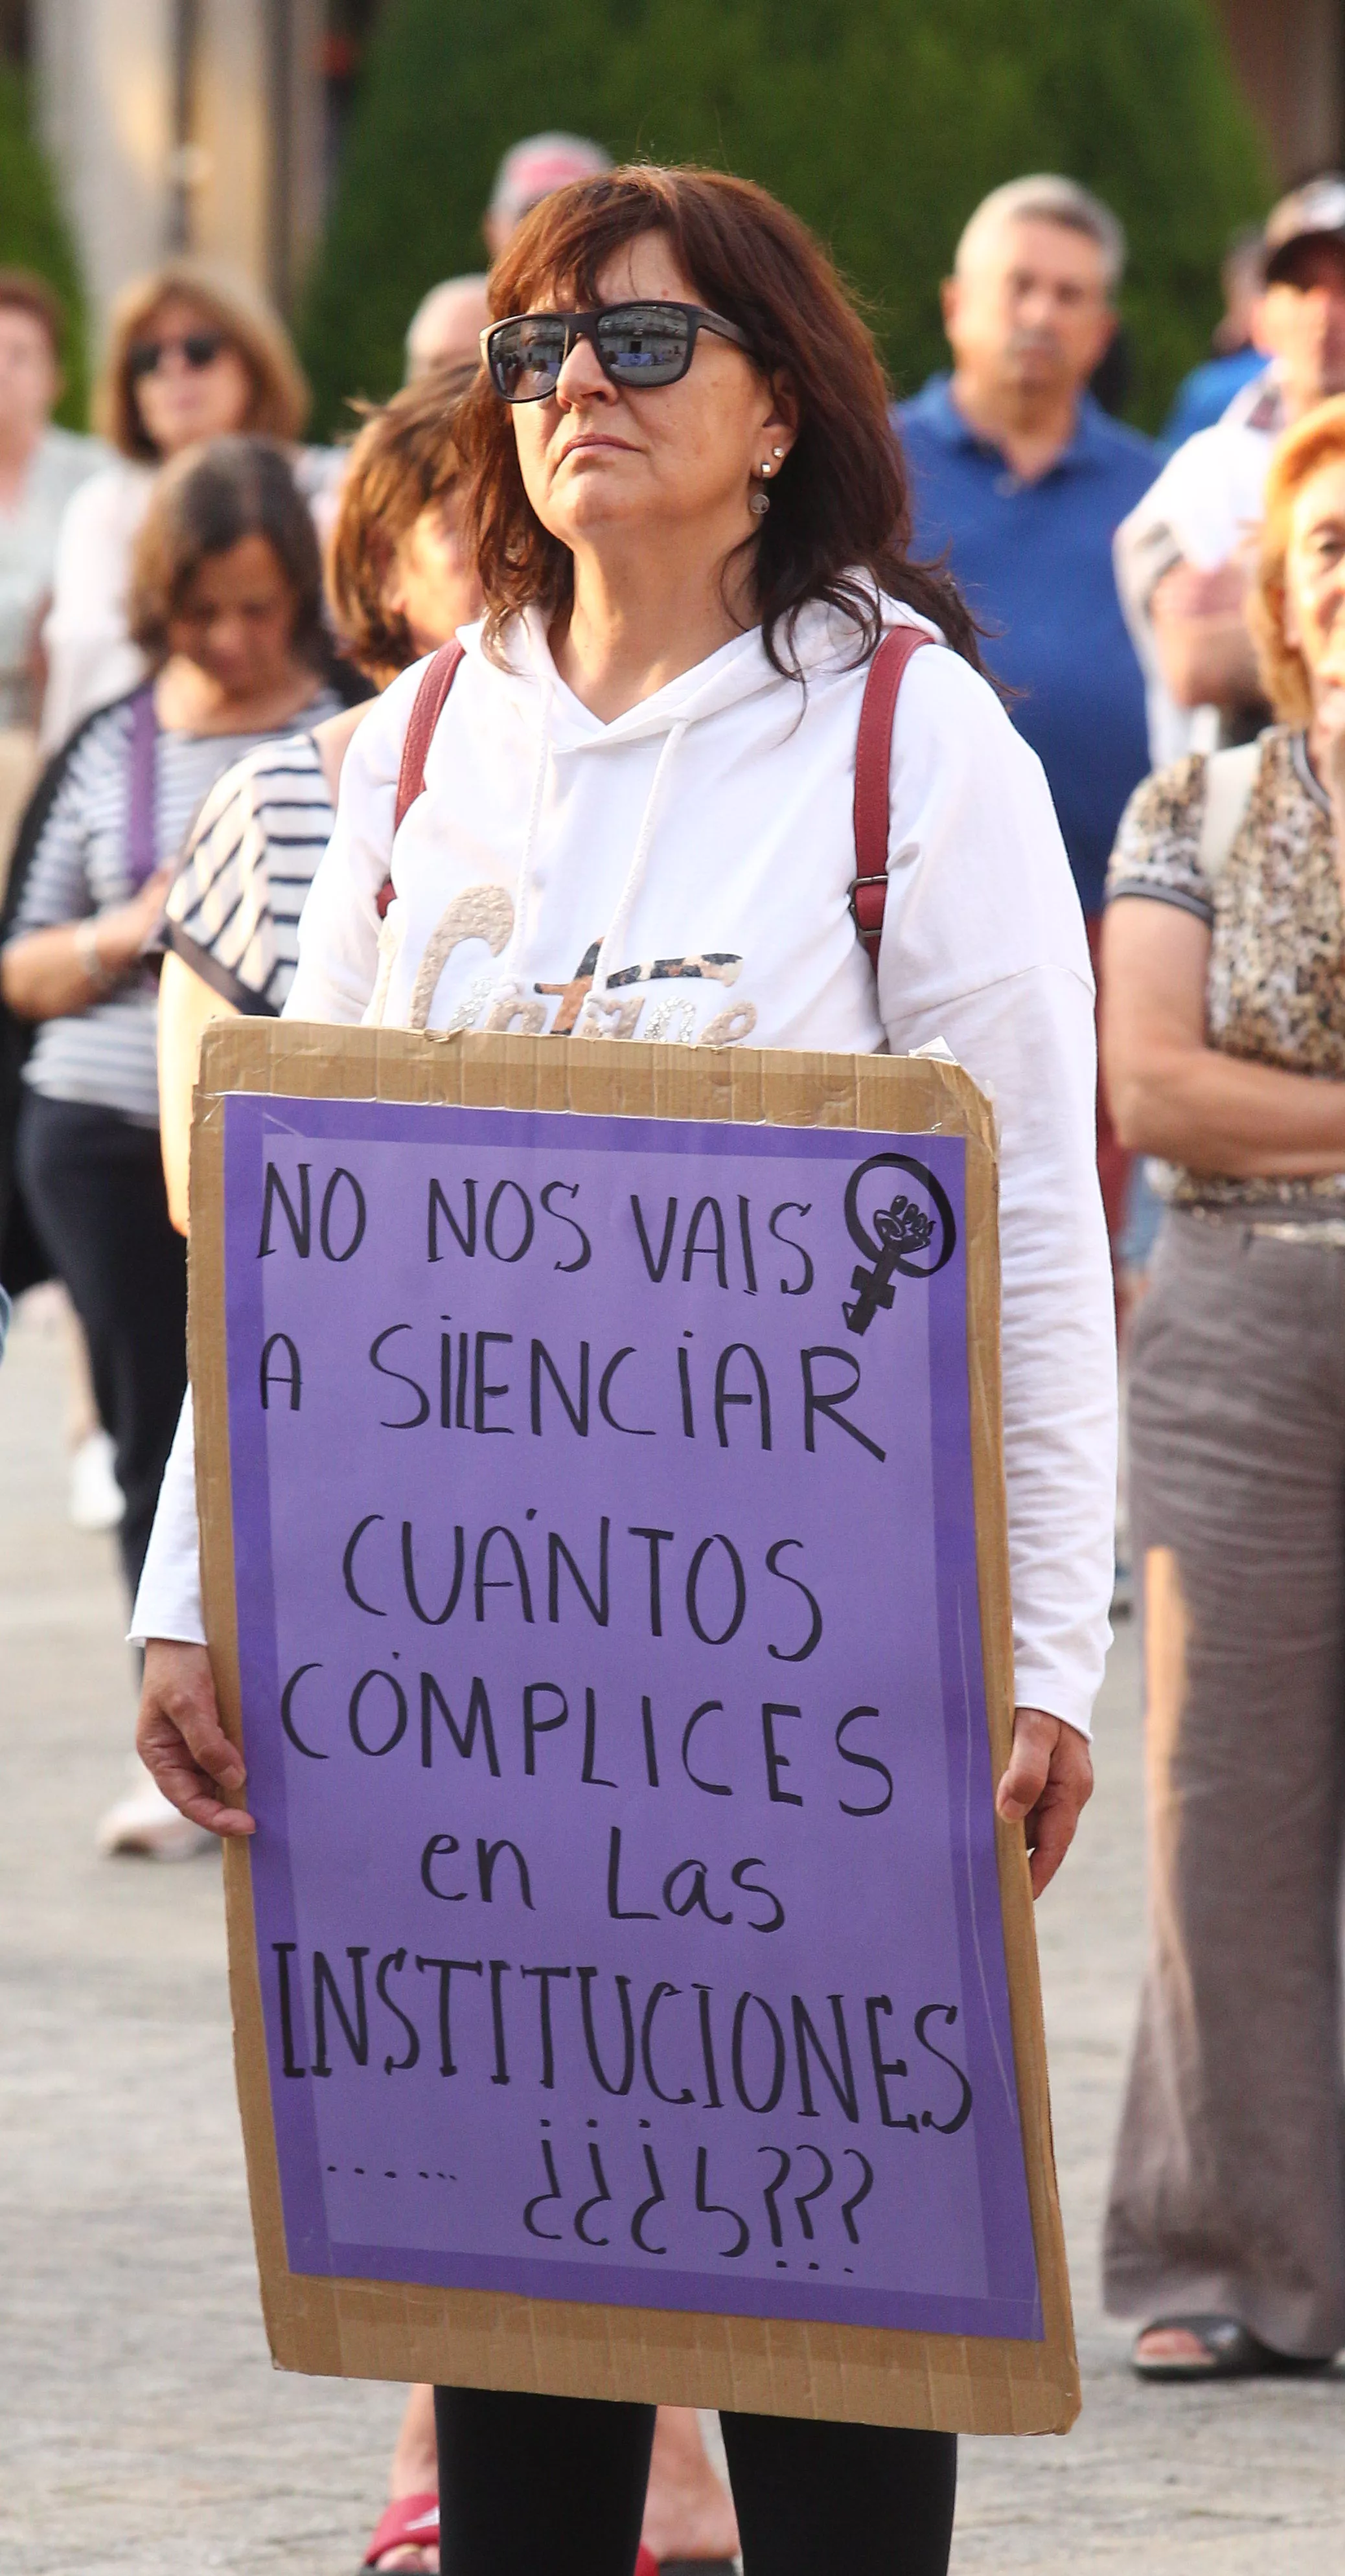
x=1182, y=566
x=532, y=170
x=446, y=327
x=1020, y=478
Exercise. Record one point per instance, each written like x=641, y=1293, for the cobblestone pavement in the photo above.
x=141, y=2426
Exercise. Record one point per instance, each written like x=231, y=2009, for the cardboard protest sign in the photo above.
x=604, y=1555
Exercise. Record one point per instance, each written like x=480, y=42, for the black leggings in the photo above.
x=94, y=1188
x=554, y=2486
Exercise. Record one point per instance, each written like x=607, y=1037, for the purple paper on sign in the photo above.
x=625, y=1885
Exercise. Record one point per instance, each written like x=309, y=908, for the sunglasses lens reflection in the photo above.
x=638, y=345
x=526, y=357
x=643, y=344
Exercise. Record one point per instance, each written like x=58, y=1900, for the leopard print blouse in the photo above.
x=1276, y=990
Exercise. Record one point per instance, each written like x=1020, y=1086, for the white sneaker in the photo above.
x=145, y=1821
x=96, y=1499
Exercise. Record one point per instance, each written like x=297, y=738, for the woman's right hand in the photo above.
x=181, y=1742
x=122, y=932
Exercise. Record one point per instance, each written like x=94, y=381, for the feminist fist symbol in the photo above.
x=901, y=1229
x=904, y=1227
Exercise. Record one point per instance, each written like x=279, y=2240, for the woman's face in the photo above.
x=433, y=583
x=236, y=622
x=601, y=465
x=1314, y=576
x=198, y=387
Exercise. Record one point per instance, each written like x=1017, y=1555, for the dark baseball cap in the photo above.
x=1314, y=212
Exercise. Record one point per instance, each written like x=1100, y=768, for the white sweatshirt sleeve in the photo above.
x=984, y=947
x=168, y=1601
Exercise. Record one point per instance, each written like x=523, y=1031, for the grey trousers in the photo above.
x=1228, y=2193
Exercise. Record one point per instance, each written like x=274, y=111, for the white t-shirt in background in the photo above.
x=1204, y=508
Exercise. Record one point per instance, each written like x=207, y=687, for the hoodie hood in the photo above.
x=736, y=677
x=731, y=677
x=681, y=874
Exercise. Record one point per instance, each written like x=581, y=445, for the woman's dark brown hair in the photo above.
x=204, y=504
x=839, y=524
x=403, y=461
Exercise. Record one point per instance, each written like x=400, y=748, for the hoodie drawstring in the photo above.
x=523, y=886
x=614, y=938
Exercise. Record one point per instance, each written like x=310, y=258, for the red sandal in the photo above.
x=411, y=2522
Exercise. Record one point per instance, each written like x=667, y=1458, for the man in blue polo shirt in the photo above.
x=1022, y=480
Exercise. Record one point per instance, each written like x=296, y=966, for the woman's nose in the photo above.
x=581, y=379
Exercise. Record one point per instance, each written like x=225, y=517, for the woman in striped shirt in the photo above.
x=226, y=604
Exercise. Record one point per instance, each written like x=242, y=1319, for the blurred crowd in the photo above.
x=195, y=611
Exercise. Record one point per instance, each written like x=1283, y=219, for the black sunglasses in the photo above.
x=199, y=348
x=638, y=346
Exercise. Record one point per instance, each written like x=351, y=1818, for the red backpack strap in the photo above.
x=436, y=680
x=873, y=770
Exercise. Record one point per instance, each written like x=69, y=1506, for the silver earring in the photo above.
x=765, y=469
x=759, y=504
x=777, y=451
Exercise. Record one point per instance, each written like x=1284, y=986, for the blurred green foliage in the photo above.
x=33, y=235
x=882, y=121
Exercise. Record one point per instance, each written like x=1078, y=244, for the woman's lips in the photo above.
x=584, y=446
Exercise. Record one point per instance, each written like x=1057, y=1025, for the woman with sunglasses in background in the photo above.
x=691, y=534
x=193, y=353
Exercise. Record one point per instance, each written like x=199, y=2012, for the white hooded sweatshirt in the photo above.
x=682, y=875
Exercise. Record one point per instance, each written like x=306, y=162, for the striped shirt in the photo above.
x=233, y=912
x=106, y=1054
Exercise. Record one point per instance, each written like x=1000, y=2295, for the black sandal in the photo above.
x=1230, y=2349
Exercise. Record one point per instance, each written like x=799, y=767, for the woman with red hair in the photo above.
x=1224, y=1037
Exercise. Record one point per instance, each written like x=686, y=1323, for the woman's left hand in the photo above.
x=1047, y=1785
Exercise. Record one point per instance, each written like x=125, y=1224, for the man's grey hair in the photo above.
x=1045, y=199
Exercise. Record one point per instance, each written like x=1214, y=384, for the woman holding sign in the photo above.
x=630, y=809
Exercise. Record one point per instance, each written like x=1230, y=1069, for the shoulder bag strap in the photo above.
x=436, y=681
x=142, y=854
x=1230, y=777
x=873, y=770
